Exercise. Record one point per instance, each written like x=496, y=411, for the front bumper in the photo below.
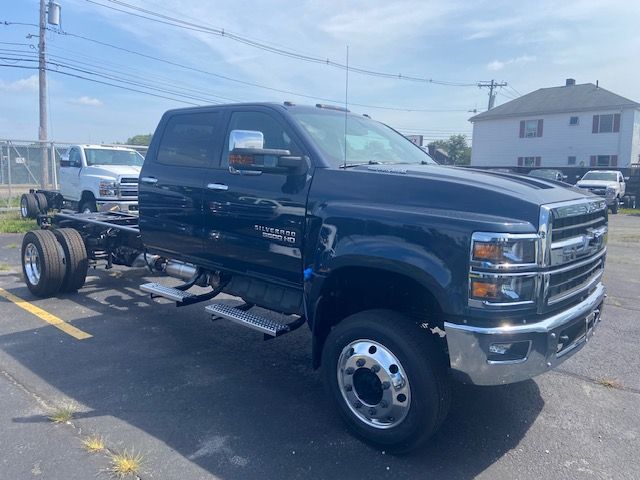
x=117, y=205
x=549, y=342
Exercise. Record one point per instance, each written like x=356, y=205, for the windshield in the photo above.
x=368, y=141
x=606, y=176
x=549, y=174
x=105, y=156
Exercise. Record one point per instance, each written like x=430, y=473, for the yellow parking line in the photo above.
x=46, y=316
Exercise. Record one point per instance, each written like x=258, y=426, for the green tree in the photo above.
x=140, y=139
x=456, y=147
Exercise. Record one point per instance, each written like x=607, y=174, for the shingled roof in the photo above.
x=569, y=98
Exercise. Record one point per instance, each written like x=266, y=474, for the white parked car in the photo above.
x=92, y=176
x=609, y=184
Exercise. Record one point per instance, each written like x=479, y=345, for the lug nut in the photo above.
x=348, y=388
x=349, y=371
x=384, y=404
x=372, y=411
x=385, y=385
x=360, y=362
x=375, y=368
x=357, y=404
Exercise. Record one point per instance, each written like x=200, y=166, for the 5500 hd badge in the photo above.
x=280, y=234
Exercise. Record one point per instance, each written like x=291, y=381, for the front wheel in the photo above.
x=388, y=379
x=615, y=206
x=87, y=206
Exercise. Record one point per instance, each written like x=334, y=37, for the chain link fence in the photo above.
x=21, y=167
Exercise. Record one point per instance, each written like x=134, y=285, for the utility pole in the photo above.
x=42, y=64
x=491, y=86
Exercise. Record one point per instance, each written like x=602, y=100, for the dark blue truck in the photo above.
x=408, y=274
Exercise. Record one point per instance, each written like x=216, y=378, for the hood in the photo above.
x=114, y=171
x=596, y=183
x=534, y=190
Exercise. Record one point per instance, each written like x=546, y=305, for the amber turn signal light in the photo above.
x=487, y=251
x=481, y=289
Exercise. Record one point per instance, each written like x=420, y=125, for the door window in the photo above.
x=189, y=140
x=275, y=135
x=74, y=158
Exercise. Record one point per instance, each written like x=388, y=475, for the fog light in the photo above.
x=508, y=352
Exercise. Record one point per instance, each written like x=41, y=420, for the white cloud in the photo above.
x=88, y=101
x=499, y=65
x=29, y=84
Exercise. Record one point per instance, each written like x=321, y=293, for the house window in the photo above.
x=529, y=161
x=606, y=123
x=573, y=120
x=530, y=128
x=571, y=160
x=604, y=160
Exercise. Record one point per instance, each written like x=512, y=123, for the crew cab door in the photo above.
x=172, y=181
x=254, y=222
x=70, y=171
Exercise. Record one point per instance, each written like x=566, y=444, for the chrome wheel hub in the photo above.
x=374, y=384
x=32, y=264
x=23, y=208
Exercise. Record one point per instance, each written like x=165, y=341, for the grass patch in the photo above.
x=4, y=267
x=11, y=245
x=609, y=383
x=630, y=211
x=93, y=444
x=11, y=222
x=127, y=463
x=63, y=414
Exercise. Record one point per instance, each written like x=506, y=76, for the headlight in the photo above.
x=108, y=188
x=502, y=289
x=503, y=250
x=611, y=192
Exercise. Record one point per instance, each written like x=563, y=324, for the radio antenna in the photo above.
x=346, y=105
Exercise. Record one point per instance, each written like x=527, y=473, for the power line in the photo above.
x=244, y=82
x=177, y=22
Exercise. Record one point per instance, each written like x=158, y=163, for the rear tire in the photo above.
x=42, y=263
x=28, y=206
x=75, y=259
x=43, y=205
x=394, y=410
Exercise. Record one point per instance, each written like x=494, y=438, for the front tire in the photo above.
x=388, y=379
x=42, y=263
x=88, y=206
x=615, y=206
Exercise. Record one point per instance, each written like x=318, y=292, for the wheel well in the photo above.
x=87, y=195
x=353, y=289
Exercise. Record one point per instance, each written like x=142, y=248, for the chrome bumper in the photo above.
x=117, y=205
x=472, y=362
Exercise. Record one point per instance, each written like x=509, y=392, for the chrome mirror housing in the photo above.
x=245, y=139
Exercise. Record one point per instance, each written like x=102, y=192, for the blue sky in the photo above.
x=527, y=44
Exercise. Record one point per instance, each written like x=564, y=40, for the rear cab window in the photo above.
x=190, y=140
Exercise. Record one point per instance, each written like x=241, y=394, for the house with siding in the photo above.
x=568, y=126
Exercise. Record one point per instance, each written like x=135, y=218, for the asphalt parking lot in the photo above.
x=202, y=400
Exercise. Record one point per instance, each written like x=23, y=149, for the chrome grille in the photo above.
x=128, y=187
x=568, y=282
x=129, y=180
x=576, y=234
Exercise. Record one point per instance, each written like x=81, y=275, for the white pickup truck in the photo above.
x=92, y=176
x=609, y=184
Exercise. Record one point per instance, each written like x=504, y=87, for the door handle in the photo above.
x=149, y=180
x=217, y=186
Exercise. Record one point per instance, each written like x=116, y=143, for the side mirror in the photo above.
x=245, y=139
x=267, y=160
x=627, y=178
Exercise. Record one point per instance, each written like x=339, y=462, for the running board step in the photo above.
x=157, y=290
x=262, y=324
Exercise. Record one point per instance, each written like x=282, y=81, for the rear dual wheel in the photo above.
x=388, y=379
x=28, y=206
x=54, y=261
